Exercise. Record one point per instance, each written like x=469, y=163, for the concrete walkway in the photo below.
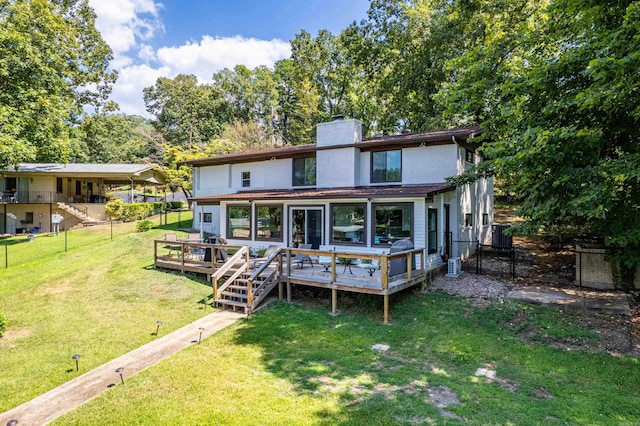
x=49, y=406
x=574, y=298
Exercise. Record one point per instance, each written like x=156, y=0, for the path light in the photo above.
x=201, y=330
x=12, y=422
x=119, y=370
x=76, y=357
x=159, y=322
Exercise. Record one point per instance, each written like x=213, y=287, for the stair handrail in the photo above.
x=232, y=261
x=257, y=273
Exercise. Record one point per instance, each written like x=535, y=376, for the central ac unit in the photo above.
x=454, y=268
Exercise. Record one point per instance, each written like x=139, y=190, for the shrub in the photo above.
x=3, y=323
x=176, y=204
x=114, y=209
x=144, y=226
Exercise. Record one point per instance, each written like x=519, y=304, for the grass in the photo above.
x=294, y=364
x=100, y=299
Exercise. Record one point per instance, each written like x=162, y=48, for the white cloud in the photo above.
x=127, y=24
x=122, y=22
x=212, y=54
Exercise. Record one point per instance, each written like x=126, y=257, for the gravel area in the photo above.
x=471, y=285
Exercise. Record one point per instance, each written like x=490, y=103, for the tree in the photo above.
x=119, y=138
x=556, y=87
x=53, y=62
x=187, y=113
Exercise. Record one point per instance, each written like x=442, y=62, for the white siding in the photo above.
x=431, y=164
x=336, y=168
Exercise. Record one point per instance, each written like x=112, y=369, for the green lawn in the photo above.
x=100, y=299
x=294, y=364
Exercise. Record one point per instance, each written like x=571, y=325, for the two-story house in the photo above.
x=348, y=192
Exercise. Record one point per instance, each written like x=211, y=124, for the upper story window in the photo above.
x=468, y=156
x=246, y=179
x=386, y=166
x=304, y=171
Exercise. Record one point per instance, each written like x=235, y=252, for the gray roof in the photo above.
x=132, y=169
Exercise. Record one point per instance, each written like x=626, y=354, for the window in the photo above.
x=485, y=219
x=269, y=223
x=386, y=166
x=432, y=231
x=468, y=156
x=348, y=223
x=207, y=217
x=239, y=222
x=59, y=185
x=392, y=222
x=78, y=187
x=304, y=171
x=468, y=219
x=28, y=217
x=246, y=179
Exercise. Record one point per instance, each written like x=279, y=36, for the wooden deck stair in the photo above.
x=236, y=286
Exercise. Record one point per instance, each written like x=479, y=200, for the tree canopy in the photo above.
x=53, y=62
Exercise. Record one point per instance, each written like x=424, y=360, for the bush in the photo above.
x=144, y=226
x=3, y=323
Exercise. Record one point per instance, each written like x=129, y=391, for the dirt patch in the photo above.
x=12, y=334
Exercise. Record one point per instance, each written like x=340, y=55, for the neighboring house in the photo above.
x=353, y=194
x=33, y=193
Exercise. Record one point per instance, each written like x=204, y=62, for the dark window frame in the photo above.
x=206, y=215
x=245, y=179
x=373, y=219
x=343, y=243
x=293, y=171
x=257, y=217
x=468, y=220
x=59, y=186
x=432, y=250
x=386, y=180
x=485, y=219
x=231, y=206
x=469, y=156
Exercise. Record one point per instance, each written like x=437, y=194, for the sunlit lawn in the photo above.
x=294, y=364
x=100, y=299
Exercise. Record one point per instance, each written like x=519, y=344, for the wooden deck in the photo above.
x=339, y=271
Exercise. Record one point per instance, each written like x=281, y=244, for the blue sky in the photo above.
x=152, y=39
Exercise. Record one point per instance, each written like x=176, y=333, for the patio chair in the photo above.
x=325, y=260
x=370, y=267
x=299, y=259
x=172, y=237
x=267, y=254
x=195, y=252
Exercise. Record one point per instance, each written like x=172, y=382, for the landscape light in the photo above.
x=119, y=370
x=159, y=323
x=201, y=330
x=12, y=422
x=76, y=357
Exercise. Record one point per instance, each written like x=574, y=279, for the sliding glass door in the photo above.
x=305, y=226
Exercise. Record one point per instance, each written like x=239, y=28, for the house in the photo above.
x=33, y=193
x=348, y=192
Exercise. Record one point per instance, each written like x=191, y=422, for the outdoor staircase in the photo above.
x=77, y=213
x=238, y=287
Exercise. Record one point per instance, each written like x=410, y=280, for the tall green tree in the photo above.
x=187, y=113
x=120, y=138
x=556, y=86
x=53, y=62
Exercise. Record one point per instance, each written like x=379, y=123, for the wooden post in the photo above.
x=409, y=265
x=288, y=290
x=334, y=301
x=250, y=296
x=386, y=308
x=155, y=253
x=333, y=266
x=384, y=272
x=215, y=288
x=184, y=247
x=280, y=276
